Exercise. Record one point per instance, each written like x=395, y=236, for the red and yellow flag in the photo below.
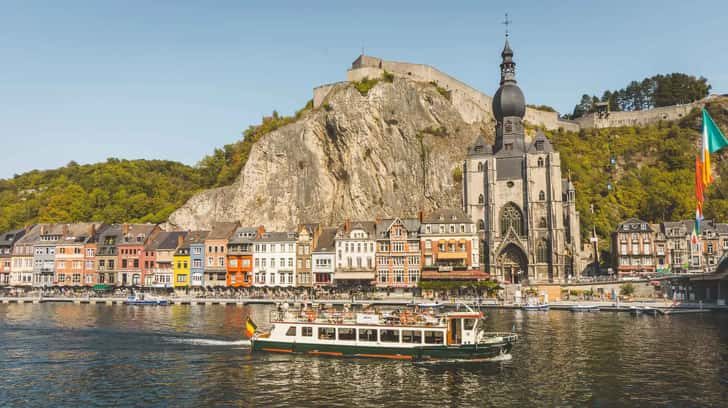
x=250, y=327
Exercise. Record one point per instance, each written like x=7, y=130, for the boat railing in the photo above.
x=401, y=318
x=487, y=337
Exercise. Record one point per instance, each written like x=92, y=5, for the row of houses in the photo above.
x=641, y=249
x=395, y=253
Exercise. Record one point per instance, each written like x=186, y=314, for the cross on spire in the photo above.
x=506, y=23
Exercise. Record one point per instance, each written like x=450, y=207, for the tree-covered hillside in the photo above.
x=112, y=191
x=645, y=172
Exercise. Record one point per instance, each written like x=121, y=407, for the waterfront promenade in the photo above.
x=486, y=303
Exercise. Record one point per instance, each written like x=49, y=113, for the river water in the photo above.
x=98, y=355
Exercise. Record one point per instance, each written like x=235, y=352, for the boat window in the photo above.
x=468, y=324
x=347, y=334
x=411, y=336
x=388, y=335
x=367, y=335
x=434, y=337
x=291, y=331
x=307, y=331
x=327, y=333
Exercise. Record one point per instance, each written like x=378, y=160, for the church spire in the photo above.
x=508, y=67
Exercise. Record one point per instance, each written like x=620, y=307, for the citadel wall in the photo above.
x=475, y=106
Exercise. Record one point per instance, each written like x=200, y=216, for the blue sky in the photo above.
x=87, y=80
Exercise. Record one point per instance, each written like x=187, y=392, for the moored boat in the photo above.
x=584, y=308
x=536, y=307
x=402, y=335
x=141, y=300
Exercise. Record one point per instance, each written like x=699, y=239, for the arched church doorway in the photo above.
x=513, y=264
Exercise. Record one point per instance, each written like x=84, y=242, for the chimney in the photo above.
x=347, y=226
x=124, y=228
x=42, y=229
x=180, y=239
x=64, y=230
x=92, y=229
x=421, y=215
x=259, y=233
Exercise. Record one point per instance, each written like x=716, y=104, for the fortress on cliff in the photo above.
x=472, y=103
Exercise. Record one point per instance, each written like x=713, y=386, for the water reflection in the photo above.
x=89, y=355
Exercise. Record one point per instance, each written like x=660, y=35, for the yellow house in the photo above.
x=181, y=266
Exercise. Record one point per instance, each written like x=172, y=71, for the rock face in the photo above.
x=392, y=152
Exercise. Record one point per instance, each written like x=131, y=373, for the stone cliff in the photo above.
x=391, y=152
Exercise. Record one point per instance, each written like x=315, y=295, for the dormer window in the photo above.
x=539, y=145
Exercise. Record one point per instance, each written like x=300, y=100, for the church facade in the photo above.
x=514, y=192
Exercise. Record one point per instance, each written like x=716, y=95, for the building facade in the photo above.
x=70, y=254
x=273, y=257
x=44, y=254
x=130, y=249
x=197, y=257
x=398, y=253
x=307, y=237
x=633, y=247
x=449, y=245
x=22, y=259
x=514, y=192
x=356, y=253
x=240, y=257
x=323, y=257
x=7, y=242
x=216, y=253
x=181, y=265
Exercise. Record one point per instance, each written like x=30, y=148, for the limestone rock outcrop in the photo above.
x=391, y=152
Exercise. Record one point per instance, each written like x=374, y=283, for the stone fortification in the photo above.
x=639, y=118
x=473, y=105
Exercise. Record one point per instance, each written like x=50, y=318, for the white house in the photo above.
x=323, y=258
x=355, y=252
x=274, y=259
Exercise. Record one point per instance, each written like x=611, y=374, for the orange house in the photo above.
x=240, y=257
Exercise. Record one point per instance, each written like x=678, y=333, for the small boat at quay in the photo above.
x=544, y=307
x=584, y=308
x=398, y=335
x=643, y=310
x=141, y=300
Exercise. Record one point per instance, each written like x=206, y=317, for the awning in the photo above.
x=359, y=275
x=101, y=287
x=458, y=275
x=452, y=255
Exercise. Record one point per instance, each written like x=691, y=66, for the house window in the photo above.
x=398, y=276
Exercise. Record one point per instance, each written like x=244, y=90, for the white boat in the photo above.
x=142, y=300
x=541, y=307
x=584, y=308
x=402, y=335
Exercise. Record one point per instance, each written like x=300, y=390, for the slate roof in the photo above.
x=410, y=224
x=326, y=240
x=546, y=146
x=242, y=235
x=277, y=236
x=222, y=230
x=9, y=238
x=446, y=216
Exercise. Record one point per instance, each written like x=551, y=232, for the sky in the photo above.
x=88, y=80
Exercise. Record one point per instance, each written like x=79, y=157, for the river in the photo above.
x=99, y=355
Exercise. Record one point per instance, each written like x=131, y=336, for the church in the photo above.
x=514, y=191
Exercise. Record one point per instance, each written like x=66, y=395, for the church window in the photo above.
x=511, y=217
x=542, y=222
x=509, y=147
x=480, y=166
x=481, y=199
x=542, y=251
x=541, y=196
x=540, y=161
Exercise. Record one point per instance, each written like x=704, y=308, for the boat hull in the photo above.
x=416, y=353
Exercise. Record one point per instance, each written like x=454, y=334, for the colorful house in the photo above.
x=70, y=256
x=398, y=252
x=131, y=252
x=323, y=257
x=197, y=256
x=355, y=253
x=22, y=259
x=307, y=236
x=181, y=265
x=449, y=245
x=107, y=254
x=7, y=241
x=240, y=256
x=164, y=245
x=216, y=253
x=44, y=254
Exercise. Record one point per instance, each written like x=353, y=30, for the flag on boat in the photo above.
x=713, y=140
x=250, y=327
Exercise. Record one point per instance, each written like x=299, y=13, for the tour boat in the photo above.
x=140, y=300
x=400, y=335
